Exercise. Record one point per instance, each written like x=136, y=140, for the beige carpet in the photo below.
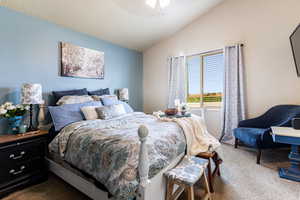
x=241, y=179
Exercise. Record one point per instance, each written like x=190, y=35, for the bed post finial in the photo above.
x=143, y=132
x=143, y=161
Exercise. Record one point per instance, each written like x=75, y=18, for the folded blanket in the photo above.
x=198, y=139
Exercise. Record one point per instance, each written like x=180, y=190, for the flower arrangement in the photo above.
x=9, y=110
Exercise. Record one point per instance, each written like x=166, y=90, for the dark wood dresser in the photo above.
x=22, y=160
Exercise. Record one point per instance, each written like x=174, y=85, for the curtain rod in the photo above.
x=206, y=52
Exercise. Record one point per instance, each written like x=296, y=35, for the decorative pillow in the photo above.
x=74, y=99
x=59, y=94
x=90, y=112
x=100, y=92
x=68, y=113
x=113, y=100
x=109, y=112
x=107, y=100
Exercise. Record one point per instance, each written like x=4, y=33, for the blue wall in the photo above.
x=29, y=53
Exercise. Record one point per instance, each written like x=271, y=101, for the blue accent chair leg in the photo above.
x=236, y=143
x=258, y=156
x=293, y=172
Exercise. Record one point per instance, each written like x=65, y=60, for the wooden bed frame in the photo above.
x=149, y=189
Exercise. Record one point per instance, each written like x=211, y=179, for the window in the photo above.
x=205, y=79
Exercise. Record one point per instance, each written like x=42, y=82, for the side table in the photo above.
x=290, y=136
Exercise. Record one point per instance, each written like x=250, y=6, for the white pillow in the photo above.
x=90, y=112
x=109, y=112
x=74, y=99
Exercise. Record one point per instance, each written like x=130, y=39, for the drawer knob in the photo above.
x=14, y=172
x=12, y=156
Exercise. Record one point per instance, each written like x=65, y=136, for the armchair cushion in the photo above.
x=256, y=137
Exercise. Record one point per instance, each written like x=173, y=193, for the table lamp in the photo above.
x=32, y=95
x=124, y=94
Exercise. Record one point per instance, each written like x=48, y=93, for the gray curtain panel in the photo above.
x=233, y=109
x=177, y=80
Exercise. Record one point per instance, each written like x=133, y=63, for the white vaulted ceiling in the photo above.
x=129, y=23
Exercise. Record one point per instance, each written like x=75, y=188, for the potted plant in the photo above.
x=14, y=114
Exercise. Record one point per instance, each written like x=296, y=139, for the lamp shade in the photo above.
x=32, y=94
x=124, y=94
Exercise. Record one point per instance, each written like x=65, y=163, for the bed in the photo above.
x=115, y=154
x=123, y=157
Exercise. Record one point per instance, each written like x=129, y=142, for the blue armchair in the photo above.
x=255, y=132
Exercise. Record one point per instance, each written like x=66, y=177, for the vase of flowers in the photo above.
x=14, y=114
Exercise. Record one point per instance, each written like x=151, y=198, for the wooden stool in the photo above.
x=185, y=175
x=217, y=160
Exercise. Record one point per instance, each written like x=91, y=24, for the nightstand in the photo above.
x=22, y=160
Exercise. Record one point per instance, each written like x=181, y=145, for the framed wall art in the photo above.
x=81, y=62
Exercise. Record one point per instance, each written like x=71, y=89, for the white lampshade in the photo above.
x=124, y=94
x=32, y=94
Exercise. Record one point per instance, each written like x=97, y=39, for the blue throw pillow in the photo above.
x=100, y=92
x=68, y=113
x=109, y=100
x=59, y=94
x=113, y=100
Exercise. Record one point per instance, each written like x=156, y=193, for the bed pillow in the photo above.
x=74, y=99
x=68, y=113
x=127, y=107
x=109, y=112
x=100, y=92
x=108, y=100
x=59, y=94
x=90, y=112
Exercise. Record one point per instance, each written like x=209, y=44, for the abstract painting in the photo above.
x=81, y=62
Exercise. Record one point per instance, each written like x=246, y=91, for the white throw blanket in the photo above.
x=198, y=139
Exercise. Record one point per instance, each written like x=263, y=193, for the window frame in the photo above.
x=201, y=55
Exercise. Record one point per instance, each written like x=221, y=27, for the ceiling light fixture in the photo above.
x=158, y=3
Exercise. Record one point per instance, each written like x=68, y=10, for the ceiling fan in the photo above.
x=158, y=3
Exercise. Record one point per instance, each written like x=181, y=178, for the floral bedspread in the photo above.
x=108, y=149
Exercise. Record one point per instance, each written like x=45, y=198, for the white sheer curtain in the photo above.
x=233, y=103
x=177, y=80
